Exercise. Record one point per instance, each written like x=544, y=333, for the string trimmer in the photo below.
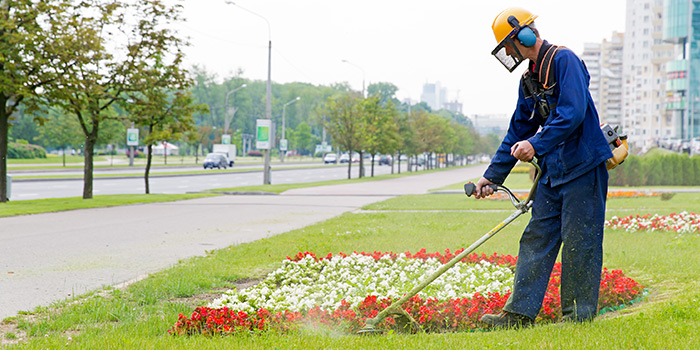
x=403, y=319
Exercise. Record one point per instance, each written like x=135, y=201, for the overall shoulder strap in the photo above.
x=547, y=76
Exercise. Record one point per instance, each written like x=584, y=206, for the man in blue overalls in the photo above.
x=555, y=120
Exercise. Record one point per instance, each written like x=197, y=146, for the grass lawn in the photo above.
x=138, y=316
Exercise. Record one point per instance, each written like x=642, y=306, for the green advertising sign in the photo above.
x=264, y=127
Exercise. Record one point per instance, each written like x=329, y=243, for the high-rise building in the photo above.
x=644, y=114
x=434, y=95
x=681, y=28
x=604, y=62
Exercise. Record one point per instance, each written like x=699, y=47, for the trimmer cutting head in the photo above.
x=369, y=330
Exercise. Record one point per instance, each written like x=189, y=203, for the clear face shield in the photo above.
x=501, y=53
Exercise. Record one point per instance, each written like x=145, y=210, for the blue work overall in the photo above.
x=569, y=207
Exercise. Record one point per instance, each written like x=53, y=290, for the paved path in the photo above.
x=49, y=257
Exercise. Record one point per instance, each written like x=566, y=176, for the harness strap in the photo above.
x=546, y=76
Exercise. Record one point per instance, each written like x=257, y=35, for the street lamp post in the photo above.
x=363, y=75
x=284, y=109
x=227, y=118
x=268, y=104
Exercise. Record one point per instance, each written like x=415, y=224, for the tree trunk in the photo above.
x=148, y=167
x=373, y=165
x=88, y=168
x=4, y=126
x=399, y=154
x=362, y=164
x=350, y=165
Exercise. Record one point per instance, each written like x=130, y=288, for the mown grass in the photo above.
x=139, y=316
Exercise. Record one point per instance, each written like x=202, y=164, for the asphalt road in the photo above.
x=50, y=257
x=172, y=184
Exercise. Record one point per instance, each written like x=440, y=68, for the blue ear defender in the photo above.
x=527, y=37
x=525, y=34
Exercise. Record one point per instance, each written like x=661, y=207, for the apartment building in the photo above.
x=645, y=117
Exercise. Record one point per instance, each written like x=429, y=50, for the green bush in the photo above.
x=657, y=170
x=23, y=150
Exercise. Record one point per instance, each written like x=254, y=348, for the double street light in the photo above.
x=268, y=104
x=228, y=116
x=283, y=141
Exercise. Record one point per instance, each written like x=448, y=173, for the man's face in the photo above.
x=510, y=50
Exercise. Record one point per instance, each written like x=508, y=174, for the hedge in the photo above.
x=659, y=170
x=18, y=150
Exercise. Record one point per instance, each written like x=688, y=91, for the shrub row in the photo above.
x=18, y=150
x=659, y=170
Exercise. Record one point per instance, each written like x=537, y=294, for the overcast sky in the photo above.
x=406, y=43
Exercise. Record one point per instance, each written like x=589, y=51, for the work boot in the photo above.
x=506, y=320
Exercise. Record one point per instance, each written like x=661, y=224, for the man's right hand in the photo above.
x=482, y=188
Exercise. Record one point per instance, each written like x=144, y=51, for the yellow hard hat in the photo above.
x=509, y=24
x=501, y=27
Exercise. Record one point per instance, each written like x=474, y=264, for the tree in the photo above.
x=111, y=51
x=382, y=129
x=386, y=92
x=23, y=60
x=60, y=130
x=164, y=117
x=345, y=124
x=199, y=136
x=408, y=145
x=304, y=138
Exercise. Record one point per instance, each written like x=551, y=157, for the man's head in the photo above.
x=515, y=31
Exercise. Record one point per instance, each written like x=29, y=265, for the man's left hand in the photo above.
x=523, y=151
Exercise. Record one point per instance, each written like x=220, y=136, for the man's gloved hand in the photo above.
x=523, y=151
x=482, y=188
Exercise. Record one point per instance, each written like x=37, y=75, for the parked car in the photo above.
x=385, y=159
x=417, y=160
x=695, y=146
x=330, y=158
x=355, y=157
x=215, y=160
x=344, y=158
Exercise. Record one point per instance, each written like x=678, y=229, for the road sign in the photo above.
x=264, y=127
x=226, y=139
x=132, y=137
x=283, y=144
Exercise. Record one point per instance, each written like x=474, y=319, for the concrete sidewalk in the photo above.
x=49, y=257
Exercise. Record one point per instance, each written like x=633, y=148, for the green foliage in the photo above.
x=60, y=130
x=23, y=150
x=102, y=59
x=657, y=170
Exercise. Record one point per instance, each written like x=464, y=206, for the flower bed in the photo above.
x=344, y=290
x=683, y=222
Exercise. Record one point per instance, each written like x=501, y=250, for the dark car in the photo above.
x=215, y=160
x=386, y=159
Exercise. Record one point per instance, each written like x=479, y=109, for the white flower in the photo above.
x=300, y=285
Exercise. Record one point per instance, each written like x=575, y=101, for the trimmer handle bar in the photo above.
x=470, y=188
